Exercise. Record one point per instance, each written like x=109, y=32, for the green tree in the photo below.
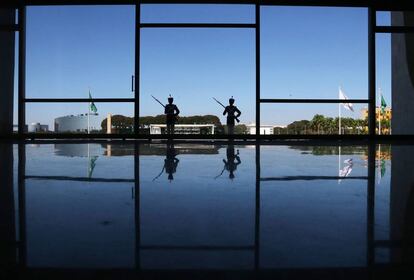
x=299, y=127
x=120, y=124
x=317, y=123
x=240, y=129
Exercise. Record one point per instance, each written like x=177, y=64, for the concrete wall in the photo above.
x=7, y=45
x=401, y=201
x=402, y=60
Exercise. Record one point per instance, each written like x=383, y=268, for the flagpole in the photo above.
x=89, y=111
x=339, y=113
x=89, y=162
x=379, y=112
x=379, y=164
x=339, y=164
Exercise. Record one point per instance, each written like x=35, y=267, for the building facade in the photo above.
x=183, y=128
x=264, y=129
x=385, y=118
x=37, y=127
x=78, y=123
x=386, y=115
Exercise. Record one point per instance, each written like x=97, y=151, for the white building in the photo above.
x=264, y=129
x=78, y=123
x=183, y=128
x=37, y=127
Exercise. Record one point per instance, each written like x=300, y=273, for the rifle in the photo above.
x=237, y=119
x=162, y=171
x=222, y=171
x=176, y=117
x=158, y=101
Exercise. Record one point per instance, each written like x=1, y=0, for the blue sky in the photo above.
x=305, y=53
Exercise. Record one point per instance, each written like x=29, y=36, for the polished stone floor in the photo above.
x=237, y=210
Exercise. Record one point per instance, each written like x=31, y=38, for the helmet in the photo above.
x=170, y=99
x=231, y=100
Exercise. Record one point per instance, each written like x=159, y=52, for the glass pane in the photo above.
x=383, y=76
x=72, y=50
x=73, y=117
x=396, y=18
x=313, y=119
x=384, y=18
x=308, y=52
x=184, y=13
x=195, y=66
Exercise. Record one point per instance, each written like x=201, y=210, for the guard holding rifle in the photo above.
x=233, y=113
x=171, y=111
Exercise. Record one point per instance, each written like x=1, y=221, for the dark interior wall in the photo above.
x=7, y=43
x=402, y=73
x=7, y=207
x=401, y=199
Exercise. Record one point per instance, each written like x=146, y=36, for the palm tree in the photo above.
x=317, y=122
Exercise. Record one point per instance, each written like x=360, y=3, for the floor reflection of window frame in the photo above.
x=370, y=232
x=22, y=194
x=254, y=247
x=22, y=205
x=371, y=243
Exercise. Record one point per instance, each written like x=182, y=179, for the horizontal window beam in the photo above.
x=133, y=2
x=198, y=2
x=198, y=136
x=312, y=178
x=345, y=3
x=283, y=138
x=197, y=25
x=283, y=100
x=77, y=100
x=196, y=247
x=12, y=27
x=379, y=5
x=394, y=29
x=79, y=179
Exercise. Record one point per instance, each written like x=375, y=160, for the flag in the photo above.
x=92, y=165
x=92, y=105
x=383, y=168
x=344, y=97
x=383, y=104
x=344, y=172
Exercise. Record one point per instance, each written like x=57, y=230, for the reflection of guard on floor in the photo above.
x=170, y=162
x=233, y=113
x=171, y=111
x=233, y=160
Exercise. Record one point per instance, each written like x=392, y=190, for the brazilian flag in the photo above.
x=383, y=104
x=383, y=168
x=92, y=165
x=92, y=105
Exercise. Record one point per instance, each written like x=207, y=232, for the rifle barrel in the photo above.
x=157, y=100
x=219, y=102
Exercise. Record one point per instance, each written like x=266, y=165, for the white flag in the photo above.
x=344, y=97
x=344, y=172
